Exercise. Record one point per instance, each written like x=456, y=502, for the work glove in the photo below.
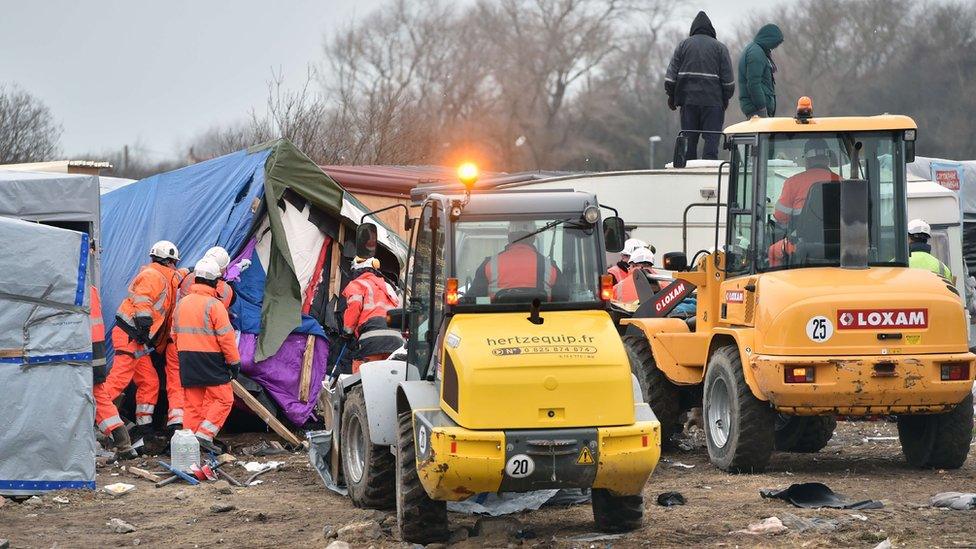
x=761, y=113
x=671, y=104
x=235, y=370
x=143, y=324
x=347, y=336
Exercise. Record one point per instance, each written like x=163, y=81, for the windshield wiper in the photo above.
x=545, y=227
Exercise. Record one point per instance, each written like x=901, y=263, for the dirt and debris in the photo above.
x=292, y=508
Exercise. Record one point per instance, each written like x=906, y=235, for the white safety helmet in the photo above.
x=632, y=244
x=642, y=255
x=164, y=249
x=207, y=268
x=219, y=255
x=919, y=226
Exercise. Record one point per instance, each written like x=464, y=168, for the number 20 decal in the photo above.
x=519, y=466
x=820, y=329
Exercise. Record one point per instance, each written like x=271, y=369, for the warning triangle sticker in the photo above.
x=585, y=457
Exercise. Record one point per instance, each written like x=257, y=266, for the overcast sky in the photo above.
x=156, y=73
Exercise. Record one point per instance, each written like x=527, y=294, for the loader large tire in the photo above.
x=658, y=392
x=939, y=441
x=804, y=434
x=739, y=428
x=419, y=518
x=615, y=514
x=369, y=469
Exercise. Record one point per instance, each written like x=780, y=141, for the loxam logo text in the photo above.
x=861, y=319
x=669, y=297
x=735, y=296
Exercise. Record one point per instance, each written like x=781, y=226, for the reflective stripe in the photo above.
x=143, y=420
x=204, y=436
x=728, y=83
x=136, y=298
x=788, y=211
x=225, y=330
x=109, y=424
x=97, y=321
x=352, y=298
x=145, y=408
x=379, y=333
x=702, y=74
x=207, y=426
x=668, y=79
x=175, y=416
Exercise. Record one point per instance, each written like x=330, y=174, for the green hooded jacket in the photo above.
x=757, y=86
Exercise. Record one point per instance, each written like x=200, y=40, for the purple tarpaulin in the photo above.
x=280, y=374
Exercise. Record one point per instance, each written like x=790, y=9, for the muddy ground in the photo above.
x=292, y=508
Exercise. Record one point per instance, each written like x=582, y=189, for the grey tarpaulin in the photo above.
x=46, y=406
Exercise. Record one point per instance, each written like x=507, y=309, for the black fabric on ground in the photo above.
x=813, y=495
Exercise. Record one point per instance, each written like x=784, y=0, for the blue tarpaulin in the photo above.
x=196, y=207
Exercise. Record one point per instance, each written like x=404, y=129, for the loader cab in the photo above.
x=458, y=264
x=829, y=194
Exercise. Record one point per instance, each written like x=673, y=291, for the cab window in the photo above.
x=427, y=267
x=739, y=245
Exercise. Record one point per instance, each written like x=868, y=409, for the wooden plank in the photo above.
x=142, y=473
x=305, y=381
x=264, y=414
x=11, y=353
x=336, y=279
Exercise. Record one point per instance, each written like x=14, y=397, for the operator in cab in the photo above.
x=519, y=267
x=817, y=157
x=921, y=256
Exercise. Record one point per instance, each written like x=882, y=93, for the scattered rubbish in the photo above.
x=338, y=544
x=886, y=544
x=33, y=501
x=814, y=524
x=258, y=467
x=960, y=501
x=813, y=495
x=203, y=473
x=168, y=480
x=265, y=448
x=4, y=543
x=179, y=473
x=222, y=508
x=255, y=482
x=682, y=465
x=119, y=489
x=120, y=526
x=60, y=499
x=504, y=503
x=861, y=518
x=184, y=449
x=879, y=439
x=670, y=499
x=596, y=536
x=770, y=525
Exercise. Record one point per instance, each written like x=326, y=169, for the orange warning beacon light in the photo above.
x=468, y=174
x=804, y=109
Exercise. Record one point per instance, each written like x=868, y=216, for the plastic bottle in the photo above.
x=184, y=450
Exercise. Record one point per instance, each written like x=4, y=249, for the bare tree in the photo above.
x=28, y=131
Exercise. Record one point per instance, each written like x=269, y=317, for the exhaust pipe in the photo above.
x=854, y=236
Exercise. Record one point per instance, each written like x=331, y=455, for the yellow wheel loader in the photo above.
x=808, y=309
x=513, y=378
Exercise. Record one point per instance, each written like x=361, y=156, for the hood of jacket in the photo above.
x=769, y=36
x=703, y=25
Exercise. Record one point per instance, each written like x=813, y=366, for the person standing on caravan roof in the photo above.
x=921, y=256
x=208, y=354
x=185, y=280
x=757, y=80
x=139, y=326
x=699, y=80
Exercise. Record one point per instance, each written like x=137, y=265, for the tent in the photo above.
x=45, y=358
x=958, y=176
x=274, y=207
x=68, y=201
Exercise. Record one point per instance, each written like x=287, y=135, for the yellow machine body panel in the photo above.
x=501, y=371
x=882, y=122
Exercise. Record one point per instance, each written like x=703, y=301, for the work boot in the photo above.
x=122, y=443
x=208, y=447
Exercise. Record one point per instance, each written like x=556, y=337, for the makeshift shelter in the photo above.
x=68, y=201
x=270, y=205
x=45, y=358
x=958, y=176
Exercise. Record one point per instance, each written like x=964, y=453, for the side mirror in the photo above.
x=680, y=159
x=675, y=261
x=613, y=234
x=396, y=319
x=366, y=240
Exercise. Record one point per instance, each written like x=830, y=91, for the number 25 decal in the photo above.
x=820, y=329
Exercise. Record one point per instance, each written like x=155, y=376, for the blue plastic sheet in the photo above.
x=200, y=206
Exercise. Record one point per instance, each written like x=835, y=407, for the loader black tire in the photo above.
x=804, y=434
x=658, y=392
x=615, y=514
x=419, y=518
x=371, y=484
x=750, y=422
x=938, y=441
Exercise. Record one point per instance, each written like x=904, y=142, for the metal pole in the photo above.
x=653, y=142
